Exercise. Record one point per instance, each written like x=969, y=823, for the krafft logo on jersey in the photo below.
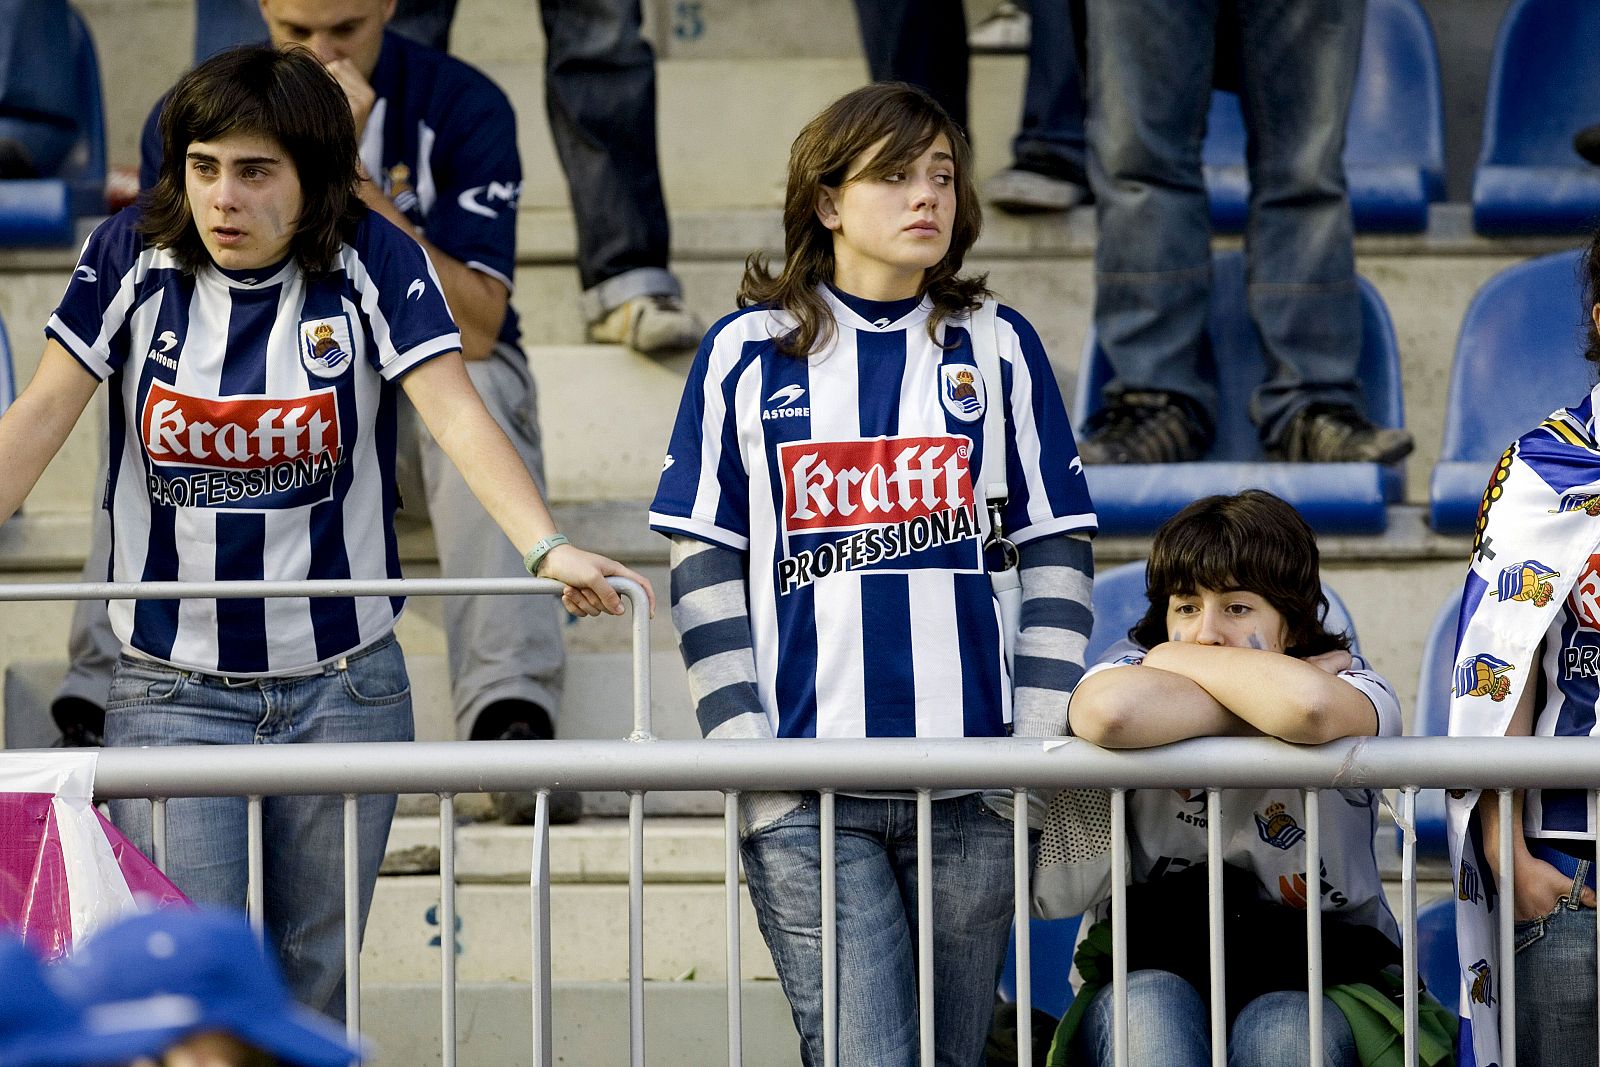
x=890, y=498
x=325, y=345
x=1585, y=596
x=243, y=453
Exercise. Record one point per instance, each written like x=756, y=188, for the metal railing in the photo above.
x=644, y=764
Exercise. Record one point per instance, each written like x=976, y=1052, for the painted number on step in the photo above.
x=688, y=22
x=432, y=919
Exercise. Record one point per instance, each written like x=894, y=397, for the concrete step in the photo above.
x=685, y=1024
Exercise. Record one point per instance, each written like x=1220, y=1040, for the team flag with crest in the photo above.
x=1537, y=542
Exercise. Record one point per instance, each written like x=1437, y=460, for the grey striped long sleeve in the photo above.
x=710, y=608
x=1057, y=613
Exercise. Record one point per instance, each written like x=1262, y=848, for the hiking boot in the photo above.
x=82, y=723
x=1338, y=433
x=656, y=325
x=1145, y=427
x=1021, y=189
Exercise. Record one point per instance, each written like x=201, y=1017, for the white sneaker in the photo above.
x=1006, y=30
x=1026, y=192
x=650, y=325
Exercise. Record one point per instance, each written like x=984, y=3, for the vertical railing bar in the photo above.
x=1119, y=928
x=1408, y=908
x=1313, y=806
x=642, y=724
x=539, y=890
x=730, y=841
x=925, y=923
x=1214, y=929
x=1508, y=941
x=636, y=927
x=255, y=891
x=352, y=917
x=830, y=936
x=447, y=926
x=1021, y=869
x=158, y=831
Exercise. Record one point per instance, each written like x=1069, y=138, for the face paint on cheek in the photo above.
x=1177, y=635
x=1257, y=643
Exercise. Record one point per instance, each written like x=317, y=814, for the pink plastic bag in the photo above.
x=65, y=870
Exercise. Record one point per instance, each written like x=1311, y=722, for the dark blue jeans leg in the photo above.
x=923, y=42
x=1298, y=68
x=600, y=92
x=1149, y=83
x=1052, y=134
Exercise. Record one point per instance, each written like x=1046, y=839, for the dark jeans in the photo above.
x=1051, y=136
x=923, y=42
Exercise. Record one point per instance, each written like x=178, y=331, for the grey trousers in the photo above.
x=500, y=647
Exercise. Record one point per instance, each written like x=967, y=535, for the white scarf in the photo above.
x=1535, y=534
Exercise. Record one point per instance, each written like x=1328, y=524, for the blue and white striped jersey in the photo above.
x=1567, y=694
x=252, y=435
x=853, y=482
x=441, y=142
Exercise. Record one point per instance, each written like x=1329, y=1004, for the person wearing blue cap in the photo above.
x=39, y=1028
x=192, y=988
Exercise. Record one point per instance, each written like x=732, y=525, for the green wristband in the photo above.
x=540, y=550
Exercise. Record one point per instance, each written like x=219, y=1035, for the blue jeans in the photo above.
x=1168, y=1023
x=876, y=894
x=1149, y=81
x=1051, y=137
x=600, y=94
x=302, y=837
x=1555, y=985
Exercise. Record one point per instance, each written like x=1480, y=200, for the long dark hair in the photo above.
x=1591, y=296
x=906, y=120
x=282, y=94
x=1253, y=541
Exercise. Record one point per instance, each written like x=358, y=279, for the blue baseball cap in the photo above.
x=38, y=1028
x=170, y=974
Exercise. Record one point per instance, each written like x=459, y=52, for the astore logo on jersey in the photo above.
x=785, y=399
x=87, y=273
x=158, y=352
x=481, y=199
x=194, y=431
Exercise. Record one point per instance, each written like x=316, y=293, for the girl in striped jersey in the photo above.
x=823, y=492
x=254, y=320
x=1233, y=643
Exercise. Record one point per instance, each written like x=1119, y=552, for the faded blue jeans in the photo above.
x=1169, y=1024
x=1051, y=135
x=369, y=699
x=1555, y=984
x=1149, y=86
x=876, y=894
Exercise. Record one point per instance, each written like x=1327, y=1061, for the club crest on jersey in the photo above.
x=325, y=346
x=1278, y=828
x=1588, y=503
x=1467, y=884
x=1527, y=582
x=1481, y=990
x=888, y=498
x=1481, y=675
x=961, y=391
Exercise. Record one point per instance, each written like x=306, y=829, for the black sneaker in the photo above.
x=82, y=723
x=1338, y=433
x=1145, y=427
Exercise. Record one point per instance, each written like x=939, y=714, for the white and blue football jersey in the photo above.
x=441, y=142
x=853, y=482
x=1567, y=694
x=252, y=435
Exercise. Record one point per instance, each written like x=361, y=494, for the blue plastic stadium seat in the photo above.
x=8, y=382
x=1050, y=948
x=1333, y=497
x=41, y=211
x=1544, y=86
x=1518, y=358
x=1433, y=720
x=1394, y=144
x=1437, y=961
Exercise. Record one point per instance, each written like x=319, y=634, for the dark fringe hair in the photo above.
x=907, y=120
x=1590, y=269
x=1253, y=541
x=282, y=94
